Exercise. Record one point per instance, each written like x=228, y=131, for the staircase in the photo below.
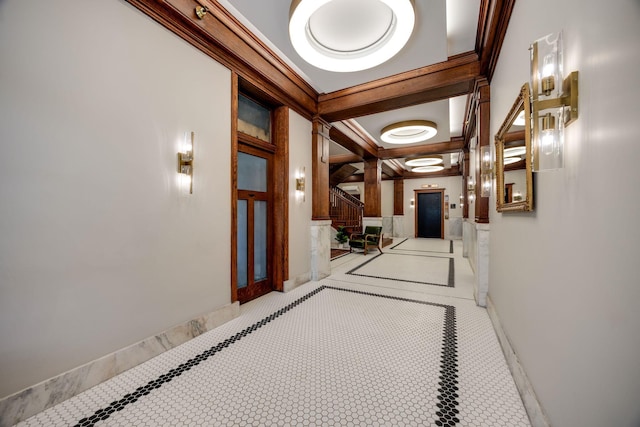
x=345, y=210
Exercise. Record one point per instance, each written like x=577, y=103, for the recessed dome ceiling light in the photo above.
x=432, y=168
x=510, y=160
x=349, y=35
x=514, y=151
x=424, y=161
x=409, y=131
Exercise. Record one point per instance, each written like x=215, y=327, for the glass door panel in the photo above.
x=243, y=241
x=259, y=240
x=252, y=172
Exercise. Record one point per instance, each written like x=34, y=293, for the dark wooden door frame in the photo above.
x=415, y=203
x=253, y=289
x=279, y=263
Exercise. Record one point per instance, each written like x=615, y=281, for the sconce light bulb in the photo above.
x=547, y=142
x=548, y=135
x=547, y=82
x=548, y=66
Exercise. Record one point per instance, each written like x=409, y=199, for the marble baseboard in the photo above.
x=35, y=399
x=296, y=281
x=455, y=228
x=398, y=226
x=536, y=415
x=387, y=226
x=482, y=264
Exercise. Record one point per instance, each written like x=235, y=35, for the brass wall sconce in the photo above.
x=185, y=161
x=486, y=171
x=554, y=102
x=471, y=186
x=300, y=183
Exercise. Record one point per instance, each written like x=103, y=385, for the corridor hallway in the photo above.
x=391, y=339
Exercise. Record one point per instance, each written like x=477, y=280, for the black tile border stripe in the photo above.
x=395, y=246
x=418, y=250
x=104, y=413
x=450, y=277
x=448, y=390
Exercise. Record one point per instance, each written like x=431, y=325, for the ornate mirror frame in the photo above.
x=505, y=135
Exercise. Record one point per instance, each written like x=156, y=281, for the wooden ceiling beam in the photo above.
x=338, y=159
x=427, y=84
x=455, y=144
x=453, y=171
x=391, y=171
x=396, y=167
x=350, y=136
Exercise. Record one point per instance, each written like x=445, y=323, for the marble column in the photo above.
x=482, y=265
x=320, y=249
x=467, y=232
x=398, y=226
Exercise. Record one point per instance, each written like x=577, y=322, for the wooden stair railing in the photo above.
x=345, y=210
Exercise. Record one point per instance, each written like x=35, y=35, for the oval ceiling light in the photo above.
x=424, y=161
x=514, y=151
x=511, y=160
x=432, y=168
x=409, y=131
x=349, y=35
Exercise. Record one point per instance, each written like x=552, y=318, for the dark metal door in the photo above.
x=429, y=215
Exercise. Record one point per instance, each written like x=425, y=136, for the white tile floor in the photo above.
x=349, y=350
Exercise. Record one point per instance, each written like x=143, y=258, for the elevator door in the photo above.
x=429, y=215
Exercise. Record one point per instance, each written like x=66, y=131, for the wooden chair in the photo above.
x=372, y=237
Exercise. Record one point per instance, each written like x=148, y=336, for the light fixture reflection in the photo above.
x=511, y=160
x=514, y=151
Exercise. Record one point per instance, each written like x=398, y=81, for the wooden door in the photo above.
x=254, y=239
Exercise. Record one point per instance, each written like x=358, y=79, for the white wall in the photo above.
x=453, y=188
x=564, y=278
x=386, y=197
x=100, y=248
x=299, y=209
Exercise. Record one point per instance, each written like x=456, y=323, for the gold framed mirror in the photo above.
x=514, y=178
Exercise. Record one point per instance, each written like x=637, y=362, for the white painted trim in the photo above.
x=535, y=412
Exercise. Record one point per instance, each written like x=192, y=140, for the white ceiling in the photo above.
x=443, y=28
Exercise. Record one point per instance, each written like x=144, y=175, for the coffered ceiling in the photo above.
x=443, y=28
